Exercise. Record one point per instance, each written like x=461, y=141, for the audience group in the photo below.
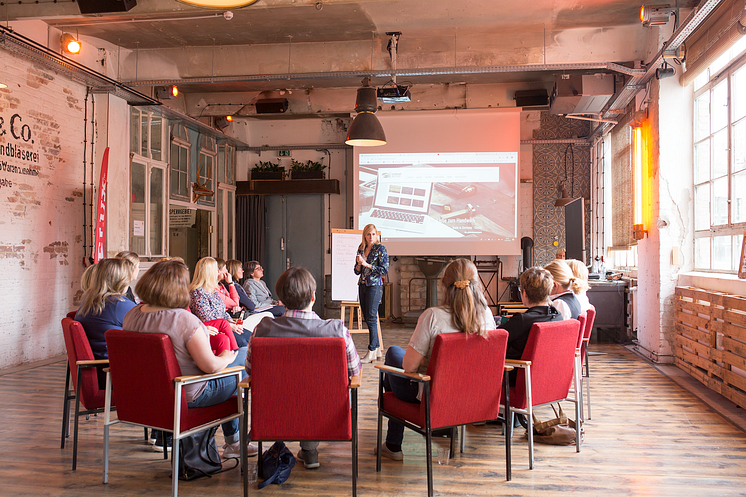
x=212, y=319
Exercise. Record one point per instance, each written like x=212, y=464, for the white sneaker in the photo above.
x=379, y=352
x=370, y=356
x=234, y=450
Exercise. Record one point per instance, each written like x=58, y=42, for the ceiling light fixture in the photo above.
x=166, y=92
x=656, y=15
x=665, y=71
x=366, y=129
x=70, y=44
x=223, y=122
x=220, y=4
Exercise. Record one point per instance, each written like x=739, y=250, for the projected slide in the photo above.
x=442, y=202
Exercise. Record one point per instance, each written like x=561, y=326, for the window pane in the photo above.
x=719, y=107
x=144, y=137
x=156, y=211
x=719, y=63
x=739, y=94
x=720, y=153
x=701, y=80
x=137, y=209
x=221, y=164
x=135, y=133
x=738, y=198
x=231, y=208
x=155, y=137
x=702, y=117
x=702, y=207
x=737, y=241
x=721, y=252
x=702, y=253
x=720, y=201
x=702, y=162
x=738, y=139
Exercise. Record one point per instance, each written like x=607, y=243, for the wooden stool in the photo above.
x=356, y=305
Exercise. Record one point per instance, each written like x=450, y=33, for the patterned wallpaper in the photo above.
x=549, y=177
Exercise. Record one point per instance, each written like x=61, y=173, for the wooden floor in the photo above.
x=647, y=437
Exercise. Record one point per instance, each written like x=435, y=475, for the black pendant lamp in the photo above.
x=366, y=130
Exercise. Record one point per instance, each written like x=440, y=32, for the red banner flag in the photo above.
x=99, y=250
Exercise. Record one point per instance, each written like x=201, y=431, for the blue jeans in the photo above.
x=403, y=388
x=370, y=299
x=219, y=390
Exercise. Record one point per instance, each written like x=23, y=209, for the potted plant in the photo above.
x=307, y=170
x=268, y=170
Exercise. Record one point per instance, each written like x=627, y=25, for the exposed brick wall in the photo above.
x=41, y=203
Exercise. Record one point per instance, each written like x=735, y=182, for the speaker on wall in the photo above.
x=100, y=6
x=271, y=105
x=531, y=98
x=575, y=230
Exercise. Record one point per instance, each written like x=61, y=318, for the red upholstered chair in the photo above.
x=146, y=377
x=547, y=371
x=81, y=370
x=591, y=313
x=465, y=377
x=300, y=390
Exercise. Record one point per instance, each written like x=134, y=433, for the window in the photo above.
x=719, y=132
x=206, y=168
x=146, y=134
x=180, y=163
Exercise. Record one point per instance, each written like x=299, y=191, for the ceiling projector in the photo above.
x=394, y=94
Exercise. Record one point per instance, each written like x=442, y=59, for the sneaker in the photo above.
x=309, y=458
x=234, y=450
x=379, y=352
x=158, y=445
x=152, y=437
x=386, y=452
x=370, y=356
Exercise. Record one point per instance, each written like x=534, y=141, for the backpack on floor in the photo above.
x=277, y=462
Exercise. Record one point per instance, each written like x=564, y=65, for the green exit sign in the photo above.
x=283, y=153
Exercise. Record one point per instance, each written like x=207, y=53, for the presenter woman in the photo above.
x=371, y=263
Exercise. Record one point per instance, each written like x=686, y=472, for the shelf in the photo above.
x=287, y=187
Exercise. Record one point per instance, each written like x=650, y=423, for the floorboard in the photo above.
x=648, y=436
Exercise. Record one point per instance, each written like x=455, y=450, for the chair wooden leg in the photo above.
x=453, y=441
x=66, y=409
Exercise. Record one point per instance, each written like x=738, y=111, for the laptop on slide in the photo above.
x=400, y=205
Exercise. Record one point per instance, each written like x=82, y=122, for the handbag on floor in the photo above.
x=277, y=462
x=557, y=431
x=198, y=455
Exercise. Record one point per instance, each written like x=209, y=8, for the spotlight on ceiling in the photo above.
x=166, y=92
x=655, y=15
x=220, y=4
x=223, y=122
x=70, y=44
x=366, y=130
x=665, y=71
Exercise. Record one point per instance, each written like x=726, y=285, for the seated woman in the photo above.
x=580, y=271
x=104, y=304
x=227, y=292
x=235, y=270
x=464, y=310
x=562, y=294
x=258, y=291
x=206, y=303
x=165, y=295
x=135, y=260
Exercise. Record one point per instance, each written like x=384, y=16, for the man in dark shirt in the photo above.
x=296, y=287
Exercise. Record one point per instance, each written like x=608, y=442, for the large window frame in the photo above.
x=181, y=185
x=719, y=162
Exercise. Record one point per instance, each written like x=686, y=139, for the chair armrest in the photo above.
x=90, y=363
x=421, y=378
x=245, y=383
x=516, y=363
x=508, y=368
x=210, y=376
x=355, y=381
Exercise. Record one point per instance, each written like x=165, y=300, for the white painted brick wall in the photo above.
x=41, y=219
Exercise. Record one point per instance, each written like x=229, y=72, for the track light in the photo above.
x=665, y=71
x=366, y=130
x=166, y=92
x=223, y=122
x=655, y=15
x=70, y=44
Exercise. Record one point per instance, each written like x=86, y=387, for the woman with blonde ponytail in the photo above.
x=464, y=310
x=563, y=293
